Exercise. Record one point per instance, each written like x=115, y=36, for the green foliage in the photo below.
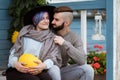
x=17, y=10
x=41, y=2
x=97, y=61
x=71, y=61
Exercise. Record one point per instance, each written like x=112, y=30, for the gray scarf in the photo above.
x=49, y=48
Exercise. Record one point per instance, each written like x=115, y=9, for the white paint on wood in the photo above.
x=64, y=1
x=84, y=29
x=116, y=39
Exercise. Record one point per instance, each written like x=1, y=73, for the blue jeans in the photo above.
x=54, y=72
x=77, y=72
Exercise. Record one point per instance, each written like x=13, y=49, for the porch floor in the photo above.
x=2, y=77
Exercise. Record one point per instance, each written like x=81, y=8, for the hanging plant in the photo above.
x=17, y=10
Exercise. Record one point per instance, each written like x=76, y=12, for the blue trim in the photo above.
x=109, y=38
x=97, y=4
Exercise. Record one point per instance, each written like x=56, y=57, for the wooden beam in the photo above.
x=116, y=28
x=109, y=38
x=84, y=29
x=97, y=4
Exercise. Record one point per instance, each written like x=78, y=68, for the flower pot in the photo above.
x=100, y=77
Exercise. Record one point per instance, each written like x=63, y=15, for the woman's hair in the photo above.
x=38, y=17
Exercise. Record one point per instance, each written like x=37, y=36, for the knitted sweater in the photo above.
x=72, y=48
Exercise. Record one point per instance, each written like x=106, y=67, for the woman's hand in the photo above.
x=21, y=67
x=38, y=69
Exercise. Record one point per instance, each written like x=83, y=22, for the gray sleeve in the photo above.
x=12, y=59
x=75, y=51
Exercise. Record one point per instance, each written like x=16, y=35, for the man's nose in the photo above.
x=53, y=22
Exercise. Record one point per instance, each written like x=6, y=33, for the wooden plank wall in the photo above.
x=4, y=26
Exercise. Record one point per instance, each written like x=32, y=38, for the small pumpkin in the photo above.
x=28, y=59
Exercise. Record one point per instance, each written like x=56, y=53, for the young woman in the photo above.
x=37, y=39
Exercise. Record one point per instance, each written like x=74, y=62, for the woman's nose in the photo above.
x=46, y=20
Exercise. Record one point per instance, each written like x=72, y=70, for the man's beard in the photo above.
x=58, y=28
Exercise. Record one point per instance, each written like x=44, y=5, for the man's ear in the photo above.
x=67, y=23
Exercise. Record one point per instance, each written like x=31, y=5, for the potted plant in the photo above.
x=97, y=59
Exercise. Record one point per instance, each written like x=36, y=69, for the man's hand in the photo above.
x=38, y=69
x=59, y=40
x=21, y=67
